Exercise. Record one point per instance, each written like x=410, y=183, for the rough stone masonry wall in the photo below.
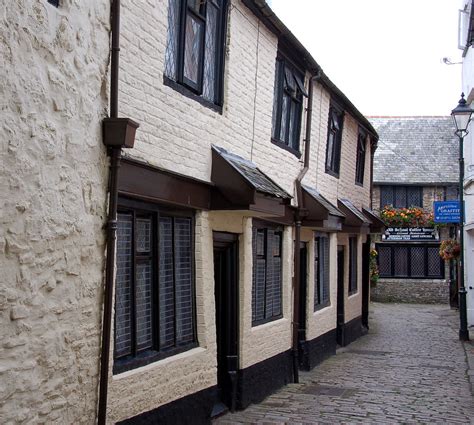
x=418, y=291
x=53, y=168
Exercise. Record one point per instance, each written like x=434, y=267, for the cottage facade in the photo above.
x=416, y=164
x=245, y=151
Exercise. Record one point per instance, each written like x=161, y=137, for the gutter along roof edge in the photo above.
x=263, y=12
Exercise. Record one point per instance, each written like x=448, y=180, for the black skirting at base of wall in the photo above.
x=353, y=330
x=262, y=379
x=193, y=409
x=315, y=351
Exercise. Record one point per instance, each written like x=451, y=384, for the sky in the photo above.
x=385, y=55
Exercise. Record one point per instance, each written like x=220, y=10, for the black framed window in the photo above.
x=287, y=105
x=352, y=265
x=194, y=55
x=321, y=271
x=360, y=161
x=414, y=261
x=333, y=149
x=154, y=289
x=401, y=196
x=267, y=281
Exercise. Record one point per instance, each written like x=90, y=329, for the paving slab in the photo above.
x=410, y=368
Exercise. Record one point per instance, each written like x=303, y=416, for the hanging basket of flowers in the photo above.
x=449, y=249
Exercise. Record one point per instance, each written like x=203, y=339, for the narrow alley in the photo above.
x=410, y=368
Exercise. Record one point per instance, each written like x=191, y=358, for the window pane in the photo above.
x=414, y=197
x=123, y=282
x=143, y=303
x=386, y=196
x=166, y=284
x=193, y=50
x=417, y=261
x=284, y=118
x=385, y=260
x=352, y=264
x=183, y=273
x=172, y=40
x=330, y=151
x=273, y=278
x=259, y=292
x=277, y=97
x=400, y=197
x=434, y=262
x=325, y=271
x=400, y=260
x=317, y=273
x=210, y=54
x=143, y=235
x=261, y=242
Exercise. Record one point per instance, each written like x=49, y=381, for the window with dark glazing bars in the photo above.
x=267, y=283
x=154, y=293
x=333, y=148
x=410, y=261
x=194, y=54
x=360, y=161
x=401, y=196
x=352, y=265
x=287, y=105
x=321, y=271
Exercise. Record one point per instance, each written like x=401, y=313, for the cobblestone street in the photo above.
x=410, y=368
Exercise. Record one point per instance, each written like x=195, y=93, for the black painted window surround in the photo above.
x=414, y=261
x=154, y=290
x=267, y=274
x=321, y=272
x=334, y=141
x=194, y=58
x=287, y=106
x=401, y=196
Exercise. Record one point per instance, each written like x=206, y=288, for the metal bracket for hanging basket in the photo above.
x=119, y=132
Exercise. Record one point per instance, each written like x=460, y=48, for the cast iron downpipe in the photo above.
x=115, y=155
x=298, y=217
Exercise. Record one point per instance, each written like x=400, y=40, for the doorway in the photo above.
x=226, y=278
x=340, y=296
x=365, y=282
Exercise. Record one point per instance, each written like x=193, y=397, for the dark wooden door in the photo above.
x=226, y=296
x=340, y=296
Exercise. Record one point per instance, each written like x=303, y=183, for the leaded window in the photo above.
x=287, y=105
x=352, y=265
x=267, y=281
x=410, y=261
x=195, y=46
x=334, y=140
x=360, y=161
x=401, y=196
x=154, y=289
x=321, y=271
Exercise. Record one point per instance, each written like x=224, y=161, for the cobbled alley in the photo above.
x=410, y=368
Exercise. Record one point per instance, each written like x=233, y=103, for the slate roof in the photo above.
x=416, y=150
x=331, y=209
x=250, y=172
x=354, y=210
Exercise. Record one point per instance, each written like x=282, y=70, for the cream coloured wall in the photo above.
x=53, y=177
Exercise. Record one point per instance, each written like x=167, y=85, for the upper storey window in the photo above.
x=360, y=162
x=333, y=150
x=287, y=106
x=195, y=47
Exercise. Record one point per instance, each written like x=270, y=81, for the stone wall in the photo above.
x=53, y=177
x=417, y=291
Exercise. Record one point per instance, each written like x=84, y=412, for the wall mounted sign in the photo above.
x=410, y=234
x=447, y=211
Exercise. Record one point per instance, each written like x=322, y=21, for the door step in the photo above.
x=219, y=409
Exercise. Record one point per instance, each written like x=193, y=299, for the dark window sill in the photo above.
x=332, y=172
x=146, y=357
x=191, y=95
x=263, y=321
x=284, y=146
x=359, y=184
x=321, y=306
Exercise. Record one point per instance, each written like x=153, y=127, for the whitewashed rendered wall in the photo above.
x=53, y=176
